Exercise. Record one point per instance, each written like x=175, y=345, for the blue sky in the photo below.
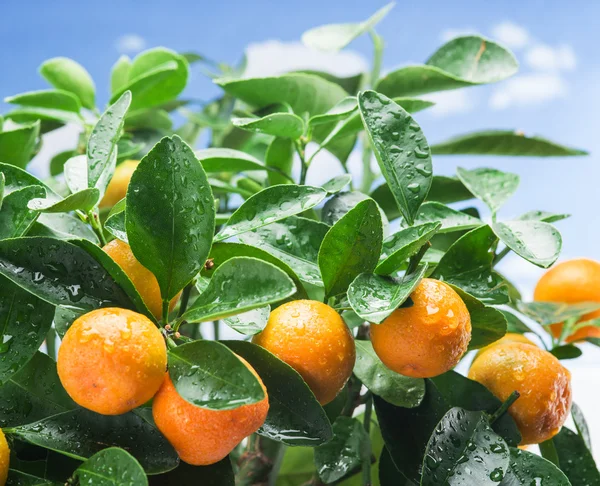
x=555, y=94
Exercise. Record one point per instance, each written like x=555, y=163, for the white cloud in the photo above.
x=130, y=43
x=60, y=140
x=449, y=103
x=449, y=34
x=275, y=57
x=511, y=35
x=547, y=58
x=528, y=89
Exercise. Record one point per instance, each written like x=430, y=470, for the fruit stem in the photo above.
x=500, y=256
x=366, y=449
x=94, y=222
x=504, y=407
x=301, y=151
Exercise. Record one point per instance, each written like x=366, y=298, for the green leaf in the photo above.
x=76, y=173
x=464, y=445
x=67, y=75
x=303, y=92
x=62, y=226
x=334, y=37
x=250, y=322
x=401, y=150
x=111, y=467
x=156, y=76
x=460, y=391
x=33, y=393
x=463, y=61
x=221, y=252
x=167, y=183
x=575, y=459
x=15, y=216
x=544, y=216
x=49, y=98
x=239, y=285
x=25, y=322
x=270, y=205
x=295, y=241
x=581, y=425
x=343, y=453
x=468, y=265
x=60, y=273
x=340, y=111
x=207, y=374
x=335, y=185
x=450, y=219
x=514, y=324
x=227, y=160
x=546, y=313
x=487, y=323
x=341, y=203
x=280, y=156
x=393, y=387
x=119, y=74
x=535, y=241
x=528, y=468
x=57, y=163
x=81, y=433
x=566, y=351
x=402, y=245
x=19, y=478
x=102, y=145
x=284, y=125
x=218, y=474
x=150, y=119
x=503, y=142
x=295, y=416
x=17, y=146
x=374, y=297
x=492, y=186
x=85, y=200
x=351, y=247
x=115, y=224
x=350, y=84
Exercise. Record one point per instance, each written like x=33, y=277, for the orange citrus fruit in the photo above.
x=314, y=340
x=543, y=383
x=427, y=338
x=202, y=436
x=112, y=360
x=143, y=279
x=4, y=458
x=509, y=337
x=572, y=282
x=117, y=187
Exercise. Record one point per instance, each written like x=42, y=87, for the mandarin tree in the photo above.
x=346, y=305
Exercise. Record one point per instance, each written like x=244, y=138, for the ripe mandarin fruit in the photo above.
x=572, y=282
x=4, y=458
x=509, y=337
x=202, y=436
x=543, y=383
x=112, y=360
x=428, y=338
x=314, y=340
x=117, y=187
x=143, y=279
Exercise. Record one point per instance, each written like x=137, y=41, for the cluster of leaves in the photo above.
x=290, y=241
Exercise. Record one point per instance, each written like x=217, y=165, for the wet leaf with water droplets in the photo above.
x=492, y=186
x=239, y=285
x=393, y=387
x=488, y=324
x=283, y=125
x=65, y=74
x=532, y=470
x=250, y=322
x=468, y=265
x=535, y=241
x=375, y=297
x=335, y=185
x=115, y=223
x=464, y=450
x=280, y=157
x=102, y=145
x=575, y=459
x=351, y=247
x=111, y=467
x=342, y=202
x=463, y=61
x=17, y=146
x=451, y=219
x=207, y=374
x=295, y=416
x=81, y=433
x=170, y=215
x=84, y=200
x=401, y=150
x=217, y=159
x=503, y=142
x=581, y=425
x=15, y=216
x=546, y=313
x=269, y=205
x=295, y=241
x=344, y=452
x=544, y=216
